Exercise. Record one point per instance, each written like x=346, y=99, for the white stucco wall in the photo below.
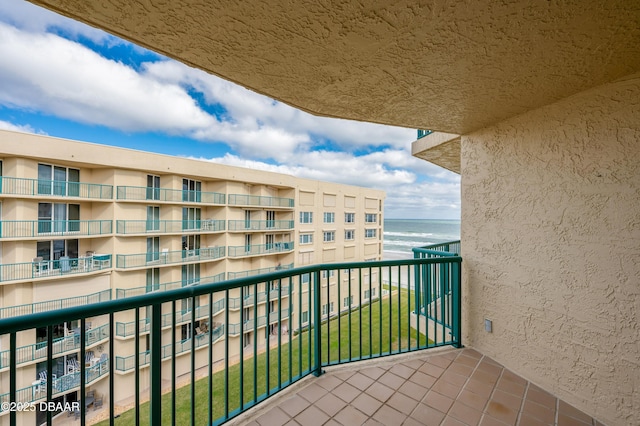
x=551, y=247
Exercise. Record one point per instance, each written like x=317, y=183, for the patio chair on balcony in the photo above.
x=40, y=266
x=88, y=356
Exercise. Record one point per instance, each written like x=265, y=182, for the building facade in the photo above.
x=83, y=223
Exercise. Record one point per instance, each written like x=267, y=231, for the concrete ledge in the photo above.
x=441, y=149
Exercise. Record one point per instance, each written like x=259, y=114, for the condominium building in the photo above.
x=83, y=223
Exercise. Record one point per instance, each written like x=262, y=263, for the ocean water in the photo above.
x=401, y=235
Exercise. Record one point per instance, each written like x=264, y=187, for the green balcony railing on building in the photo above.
x=125, y=227
x=259, y=200
x=143, y=193
x=54, y=268
x=155, y=259
x=127, y=329
x=253, y=272
x=277, y=355
x=260, y=225
x=137, y=291
x=257, y=249
x=51, y=305
x=53, y=228
x=38, y=351
x=60, y=385
x=423, y=133
x=55, y=188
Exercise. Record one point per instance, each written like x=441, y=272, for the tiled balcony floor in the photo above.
x=450, y=387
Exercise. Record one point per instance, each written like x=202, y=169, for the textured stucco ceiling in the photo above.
x=451, y=66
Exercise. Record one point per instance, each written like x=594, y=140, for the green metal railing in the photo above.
x=253, y=272
x=38, y=351
x=125, y=261
x=126, y=227
x=51, y=305
x=53, y=268
x=256, y=249
x=423, y=133
x=137, y=291
x=260, y=225
x=60, y=385
x=259, y=200
x=143, y=193
x=55, y=188
x=294, y=342
x=53, y=228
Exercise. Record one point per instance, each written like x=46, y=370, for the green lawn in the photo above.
x=372, y=323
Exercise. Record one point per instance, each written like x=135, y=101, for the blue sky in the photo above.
x=65, y=79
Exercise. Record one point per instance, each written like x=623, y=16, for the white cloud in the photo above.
x=32, y=18
x=5, y=125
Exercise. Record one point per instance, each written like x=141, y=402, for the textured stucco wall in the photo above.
x=551, y=247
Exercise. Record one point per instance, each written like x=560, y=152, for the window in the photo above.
x=331, y=273
x=347, y=301
x=306, y=238
x=58, y=218
x=325, y=308
x=370, y=218
x=271, y=219
x=306, y=217
x=191, y=190
x=269, y=239
x=329, y=217
x=58, y=180
x=349, y=234
x=373, y=292
x=54, y=250
x=369, y=233
x=367, y=294
x=331, y=307
x=190, y=245
x=304, y=278
x=153, y=187
x=153, y=279
x=349, y=218
x=305, y=317
x=153, y=218
x=153, y=249
x=190, y=274
x=329, y=236
x=191, y=218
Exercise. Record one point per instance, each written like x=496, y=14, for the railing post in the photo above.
x=156, y=364
x=317, y=326
x=456, y=286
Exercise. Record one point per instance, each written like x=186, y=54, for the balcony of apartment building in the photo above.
x=189, y=195
x=41, y=268
x=393, y=354
x=248, y=250
x=243, y=200
x=134, y=228
x=159, y=259
x=259, y=225
x=67, y=187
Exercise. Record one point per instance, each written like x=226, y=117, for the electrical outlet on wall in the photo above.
x=488, y=325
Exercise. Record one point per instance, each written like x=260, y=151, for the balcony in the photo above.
x=253, y=272
x=260, y=201
x=22, y=229
x=137, y=291
x=55, y=189
x=183, y=316
x=146, y=194
x=145, y=227
x=52, y=269
x=68, y=344
x=259, y=225
x=52, y=305
x=299, y=342
x=158, y=259
x=260, y=249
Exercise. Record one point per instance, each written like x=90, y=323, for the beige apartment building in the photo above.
x=83, y=223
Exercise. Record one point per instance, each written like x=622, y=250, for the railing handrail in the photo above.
x=68, y=300
x=105, y=191
x=281, y=201
x=43, y=319
x=217, y=197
